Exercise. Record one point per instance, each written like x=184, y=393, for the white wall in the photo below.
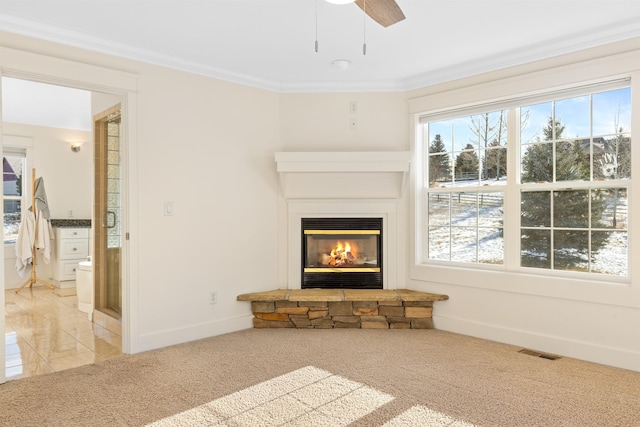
x=207, y=146
x=585, y=319
x=68, y=179
x=68, y=176
x=321, y=122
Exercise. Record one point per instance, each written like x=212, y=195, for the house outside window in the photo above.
x=565, y=157
x=13, y=165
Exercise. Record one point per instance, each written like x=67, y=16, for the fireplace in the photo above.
x=325, y=185
x=342, y=253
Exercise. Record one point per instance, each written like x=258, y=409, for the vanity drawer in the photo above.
x=73, y=233
x=70, y=246
x=68, y=269
x=73, y=248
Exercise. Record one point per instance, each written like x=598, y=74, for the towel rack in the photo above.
x=34, y=277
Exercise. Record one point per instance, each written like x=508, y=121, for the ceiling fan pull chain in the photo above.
x=316, y=26
x=364, y=26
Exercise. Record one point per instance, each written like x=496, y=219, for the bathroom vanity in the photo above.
x=71, y=244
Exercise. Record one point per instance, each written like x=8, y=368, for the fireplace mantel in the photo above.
x=343, y=175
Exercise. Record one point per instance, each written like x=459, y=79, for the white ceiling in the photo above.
x=270, y=43
x=40, y=104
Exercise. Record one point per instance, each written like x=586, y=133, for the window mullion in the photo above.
x=552, y=233
x=512, y=192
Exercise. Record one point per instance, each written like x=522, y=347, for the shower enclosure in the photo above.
x=107, y=213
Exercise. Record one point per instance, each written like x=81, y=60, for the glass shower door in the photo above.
x=107, y=212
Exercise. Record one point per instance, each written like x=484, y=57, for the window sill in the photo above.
x=619, y=292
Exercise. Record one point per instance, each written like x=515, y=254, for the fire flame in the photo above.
x=343, y=254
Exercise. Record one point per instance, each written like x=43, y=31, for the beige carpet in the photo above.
x=358, y=377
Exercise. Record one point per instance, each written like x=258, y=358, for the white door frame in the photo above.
x=46, y=69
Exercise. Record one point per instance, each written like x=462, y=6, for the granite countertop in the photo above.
x=71, y=223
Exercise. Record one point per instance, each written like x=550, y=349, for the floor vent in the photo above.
x=539, y=354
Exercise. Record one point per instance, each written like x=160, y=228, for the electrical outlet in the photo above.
x=213, y=297
x=70, y=213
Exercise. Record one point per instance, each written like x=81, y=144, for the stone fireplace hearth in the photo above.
x=342, y=308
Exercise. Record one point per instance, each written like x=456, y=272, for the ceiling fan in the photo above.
x=384, y=12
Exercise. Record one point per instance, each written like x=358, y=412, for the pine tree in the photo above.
x=439, y=161
x=537, y=163
x=570, y=207
x=553, y=130
x=572, y=160
x=467, y=163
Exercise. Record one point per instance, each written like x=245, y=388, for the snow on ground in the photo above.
x=460, y=243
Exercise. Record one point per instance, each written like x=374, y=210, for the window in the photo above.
x=575, y=166
x=568, y=164
x=13, y=165
x=466, y=172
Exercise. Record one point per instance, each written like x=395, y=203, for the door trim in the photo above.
x=47, y=69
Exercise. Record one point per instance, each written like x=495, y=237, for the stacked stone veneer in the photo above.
x=343, y=308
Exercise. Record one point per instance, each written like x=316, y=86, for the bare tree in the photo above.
x=490, y=131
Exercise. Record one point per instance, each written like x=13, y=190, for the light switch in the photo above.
x=168, y=208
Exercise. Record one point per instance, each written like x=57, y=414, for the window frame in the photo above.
x=21, y=154
x=19, y=145
x=477, y=188
x=514, y=186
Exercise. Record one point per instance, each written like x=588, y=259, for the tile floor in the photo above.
x=45, y=332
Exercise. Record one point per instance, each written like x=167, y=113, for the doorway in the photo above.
x=59, y=161
x=103, y=81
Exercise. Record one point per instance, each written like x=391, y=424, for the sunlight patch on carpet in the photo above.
x=423, y=416
x=307, y=396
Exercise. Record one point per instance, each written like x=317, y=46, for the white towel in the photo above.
x=40, y=195
x=32, y=233
x=43, y=237
x=24, y=242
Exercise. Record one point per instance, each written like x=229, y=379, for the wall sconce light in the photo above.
x=75, y=147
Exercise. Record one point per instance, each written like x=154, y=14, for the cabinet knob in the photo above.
x=75, y=249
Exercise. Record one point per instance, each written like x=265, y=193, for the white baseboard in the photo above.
x=191, y=333
x=591, y=352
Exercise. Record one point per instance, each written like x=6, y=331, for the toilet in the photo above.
x=84, y=287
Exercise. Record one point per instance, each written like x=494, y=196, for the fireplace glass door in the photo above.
x=342, y=253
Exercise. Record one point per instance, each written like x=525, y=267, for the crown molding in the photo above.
x=535, y=52
x=559, y=46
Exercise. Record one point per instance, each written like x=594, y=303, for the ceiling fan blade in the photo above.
x=384, y=12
